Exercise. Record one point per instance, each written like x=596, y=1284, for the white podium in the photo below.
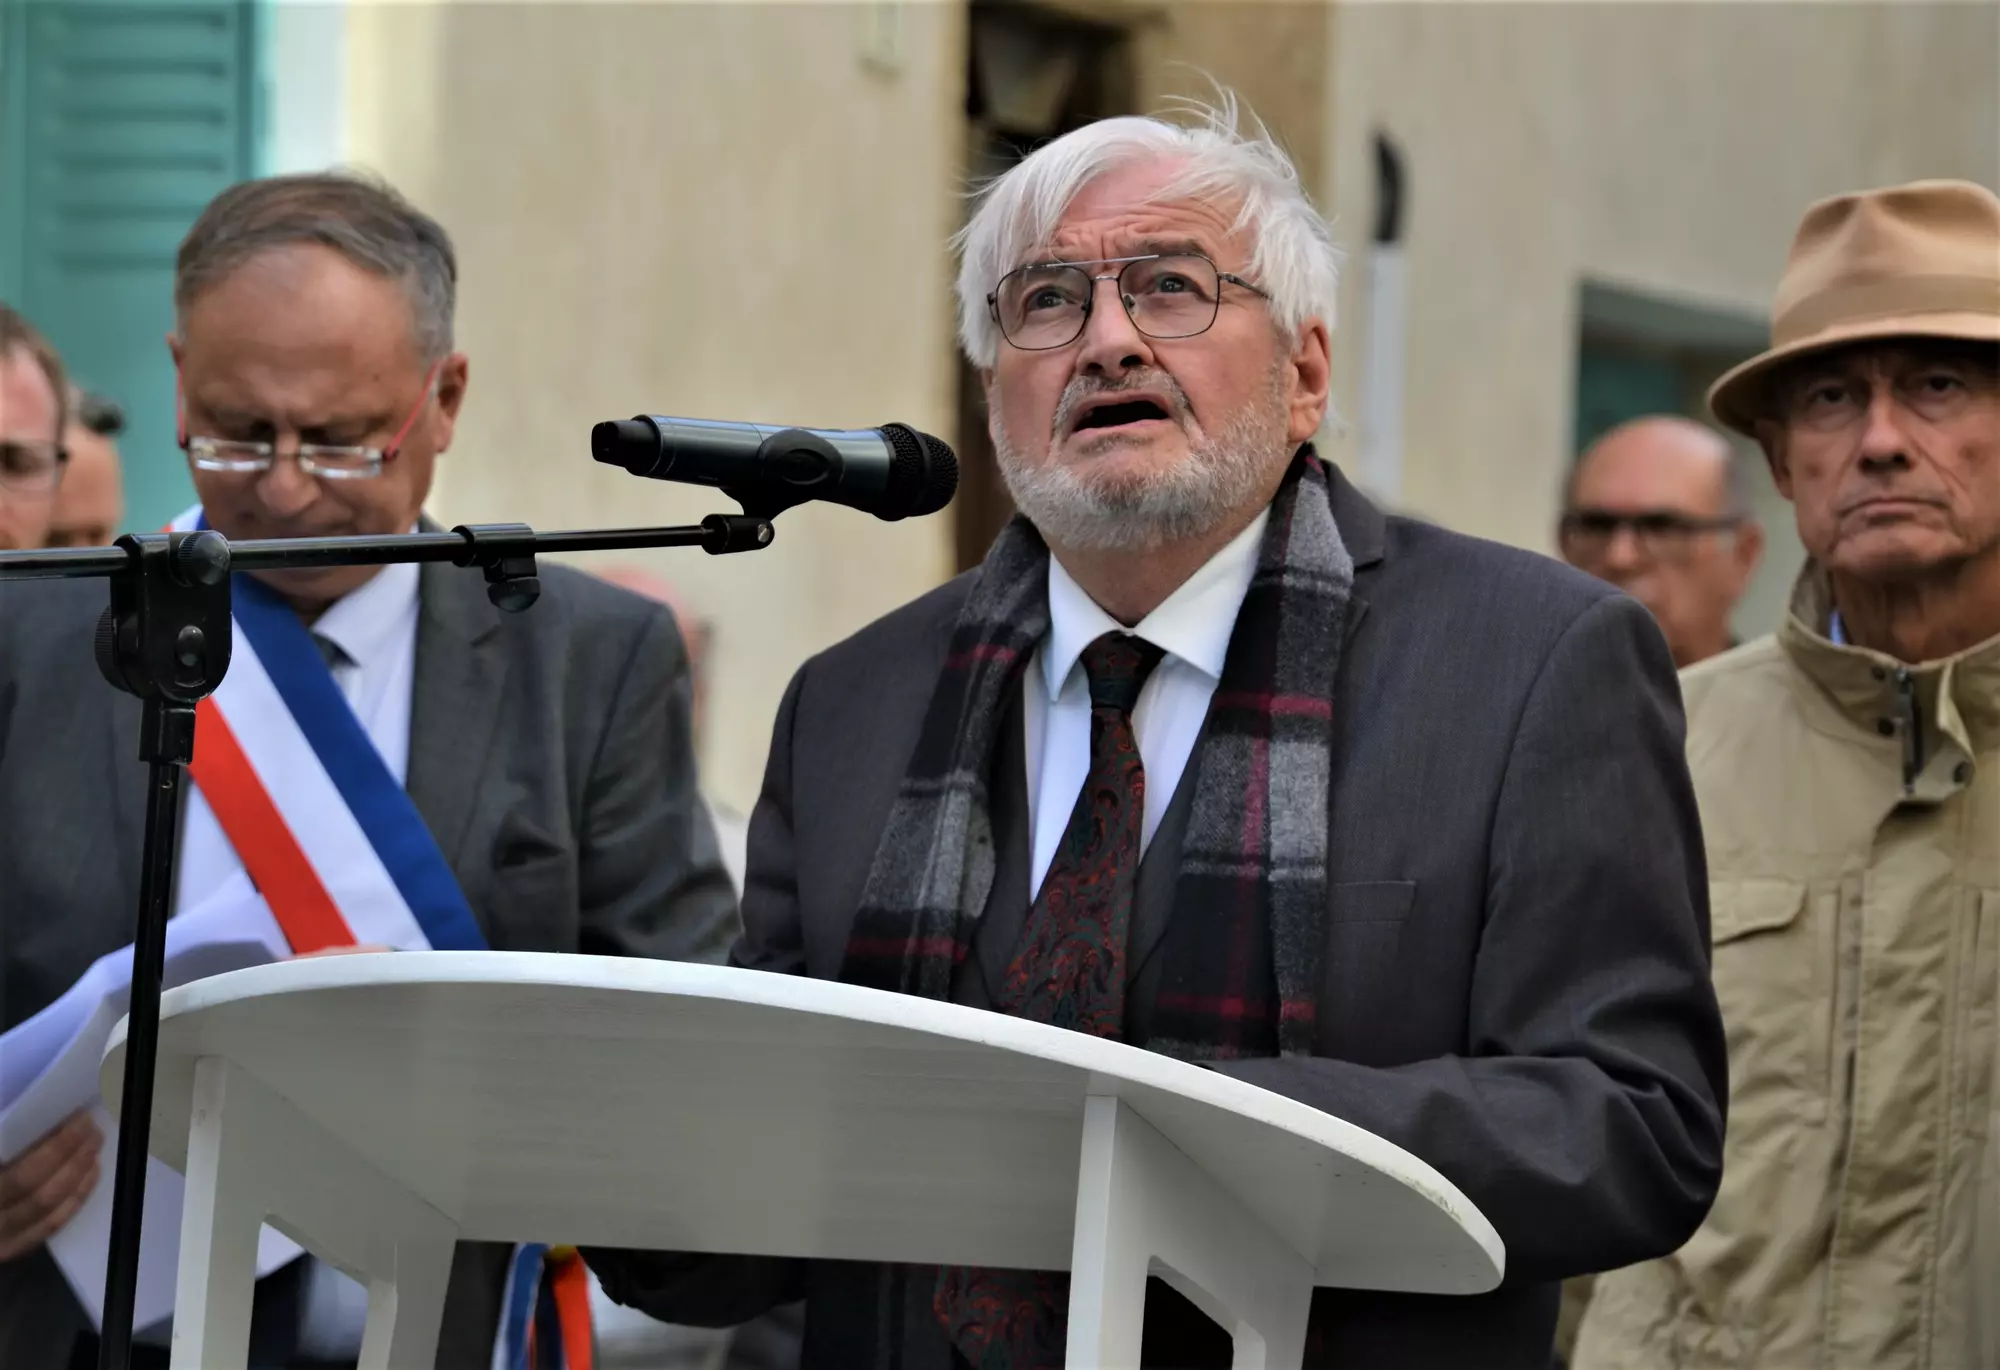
x=377, y=1108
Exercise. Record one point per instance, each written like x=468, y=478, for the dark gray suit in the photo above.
x=549, y=755
x=1516, y=952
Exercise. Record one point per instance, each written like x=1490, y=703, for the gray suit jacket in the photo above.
x=1516, y=960
x=549, y=755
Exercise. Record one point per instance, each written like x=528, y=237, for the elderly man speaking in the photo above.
x=1849, y=777
x=1213, y=758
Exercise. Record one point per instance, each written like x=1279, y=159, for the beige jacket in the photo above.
x=1851, y=811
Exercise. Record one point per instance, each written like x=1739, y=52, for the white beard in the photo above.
x=1221, y=474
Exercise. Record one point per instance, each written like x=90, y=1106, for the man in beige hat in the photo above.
x=1848, y=771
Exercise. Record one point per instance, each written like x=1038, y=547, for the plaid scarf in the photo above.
x=1242, y=948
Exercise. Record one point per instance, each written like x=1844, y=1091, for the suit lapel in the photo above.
x=460, y=678
x=1153, y=899
x=1007, y=903
x=1363, y=530
x=1357, y=609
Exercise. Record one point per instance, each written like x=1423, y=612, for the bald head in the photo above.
x=694, y=627
x=651, y=585
x=648, y=584
x=1662, y=460
x=1657, y=507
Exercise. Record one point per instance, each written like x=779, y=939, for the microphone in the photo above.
x=891, y=472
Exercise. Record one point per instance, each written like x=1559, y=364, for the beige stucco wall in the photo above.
x=668, y=207
x=1667, y=147
x=1272, y=53
x=720, y=211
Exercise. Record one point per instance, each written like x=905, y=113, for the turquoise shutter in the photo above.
x=1613, y=385
x=125, y=119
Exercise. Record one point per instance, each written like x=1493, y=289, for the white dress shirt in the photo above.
x=1193, y=627
x=375, y=628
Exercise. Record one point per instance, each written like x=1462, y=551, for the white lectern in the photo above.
x=377, y=1108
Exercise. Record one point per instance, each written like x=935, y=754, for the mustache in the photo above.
x=1085, y=388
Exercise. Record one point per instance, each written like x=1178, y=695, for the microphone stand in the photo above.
x=166, y=638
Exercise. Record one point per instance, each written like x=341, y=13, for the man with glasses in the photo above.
x=1848, y=771
x=33, y=412
x=535, y=769
x=90, y=505
x=1212, y=757
x=1657, y=506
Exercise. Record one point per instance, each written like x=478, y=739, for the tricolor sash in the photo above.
x=338, y=850
x=332, y=841
x=545, y=1311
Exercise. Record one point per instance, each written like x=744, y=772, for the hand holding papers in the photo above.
x=42, y=1188
x=49, y=1072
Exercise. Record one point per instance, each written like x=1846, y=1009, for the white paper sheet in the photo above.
x=49, y=1070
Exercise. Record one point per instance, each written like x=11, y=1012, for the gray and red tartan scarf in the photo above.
x=1241, y=966
x=1243, y=944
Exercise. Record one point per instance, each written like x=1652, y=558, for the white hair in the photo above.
x=1293, y=259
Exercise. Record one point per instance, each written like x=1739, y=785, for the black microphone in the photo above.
x=891, y=472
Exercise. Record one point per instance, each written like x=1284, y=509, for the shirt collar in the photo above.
x=1193, y=624
x=367, y=621
x=1963, y=690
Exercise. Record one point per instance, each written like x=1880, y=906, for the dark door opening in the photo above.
x=1033, y=74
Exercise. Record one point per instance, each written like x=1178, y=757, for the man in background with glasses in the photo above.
x=1659, y=507
x=535, y=769
x=90, y=505
x=1212, y=757
x=33, y=412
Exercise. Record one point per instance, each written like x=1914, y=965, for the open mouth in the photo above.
x=1121, y=414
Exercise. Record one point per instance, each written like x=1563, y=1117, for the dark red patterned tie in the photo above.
x=1069, y=971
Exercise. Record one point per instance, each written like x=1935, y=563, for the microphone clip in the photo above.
x=166, y=636
x=505, y=553
x=749, y=531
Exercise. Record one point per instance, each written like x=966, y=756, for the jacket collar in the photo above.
x=1363, y=527
x=461, y=676
x=1955, y=698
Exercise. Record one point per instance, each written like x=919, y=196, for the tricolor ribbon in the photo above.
x=545, y=1315
x=332, y=840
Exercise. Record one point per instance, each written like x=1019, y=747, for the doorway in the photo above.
x=1034, y=74
x=1640, y=353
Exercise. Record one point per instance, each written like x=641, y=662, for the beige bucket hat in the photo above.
x=1916, y=260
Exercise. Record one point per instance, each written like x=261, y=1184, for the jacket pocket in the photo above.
x=1375, y=970
x=1978, y=1014
x=535, y=906
x=1371, y=901
x=1774, y=978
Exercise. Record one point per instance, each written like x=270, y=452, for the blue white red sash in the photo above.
x=342, y=857
x=545, y=1311
x=330, y=837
